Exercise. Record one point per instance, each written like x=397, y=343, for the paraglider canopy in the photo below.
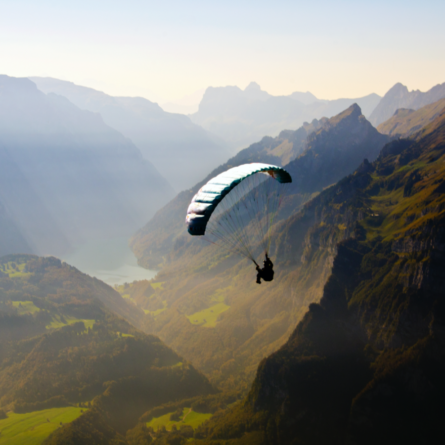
x=211, y=194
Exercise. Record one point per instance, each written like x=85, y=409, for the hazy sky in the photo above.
x=164, y=50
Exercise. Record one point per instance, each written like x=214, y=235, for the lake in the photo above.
x=112, y=261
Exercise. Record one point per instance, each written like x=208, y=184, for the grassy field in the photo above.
x=15, y=270
x=58, y=323
x=33, y=428
x=157, y=311
x=157, y=285
x=189, y=417
x=25, y=307
x=208, y=317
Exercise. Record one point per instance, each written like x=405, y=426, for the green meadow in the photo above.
x=25, y=307
x=208, y=317
x=32, y=428
x=57, y=322
x=15, y=270
x=189, y=417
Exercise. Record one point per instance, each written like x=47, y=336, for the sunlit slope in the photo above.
x=366, y=364
x=405, y=122
x=32, y=428
x=213, y=312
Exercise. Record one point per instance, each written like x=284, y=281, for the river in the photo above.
x=110, y=260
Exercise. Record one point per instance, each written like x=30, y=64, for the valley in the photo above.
x=109, y=260
x=119, y=328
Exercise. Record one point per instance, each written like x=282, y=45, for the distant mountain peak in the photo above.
x=252, y=86
x=351, y=114
x=400, y=97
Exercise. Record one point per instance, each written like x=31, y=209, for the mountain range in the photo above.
x=400, y=97
x=179, y=149
x=345, y=346
x=65, y=176
x=406, y=121
x=242, y=117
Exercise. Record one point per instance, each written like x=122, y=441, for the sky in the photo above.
x=165, y=50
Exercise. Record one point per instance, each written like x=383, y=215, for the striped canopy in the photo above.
x=211, y=194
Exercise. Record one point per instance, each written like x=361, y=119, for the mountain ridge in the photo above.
x=400, y=97
x=170, y=141
x=65, y=175
x=243, y=116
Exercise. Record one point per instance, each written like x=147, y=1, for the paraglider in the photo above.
x=237, y=208
x=266, y=273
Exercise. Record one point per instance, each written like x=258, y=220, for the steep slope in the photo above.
x=366, y=364
x=211, y=309
x=405, y=122
x=399, y=97
x=65, y=176
x=242, y=117
x=170, y=141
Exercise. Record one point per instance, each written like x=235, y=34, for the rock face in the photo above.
x=244, y=116
x=179, y=149
x=65, y=176
x=365, y=365
x=399, y=97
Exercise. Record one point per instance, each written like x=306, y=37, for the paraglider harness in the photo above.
x=266, y=273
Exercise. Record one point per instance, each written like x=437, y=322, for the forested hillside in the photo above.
x=366, y=364
x=62, y=344
x=210, y=309
x=65, y=176
x=172, y=142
